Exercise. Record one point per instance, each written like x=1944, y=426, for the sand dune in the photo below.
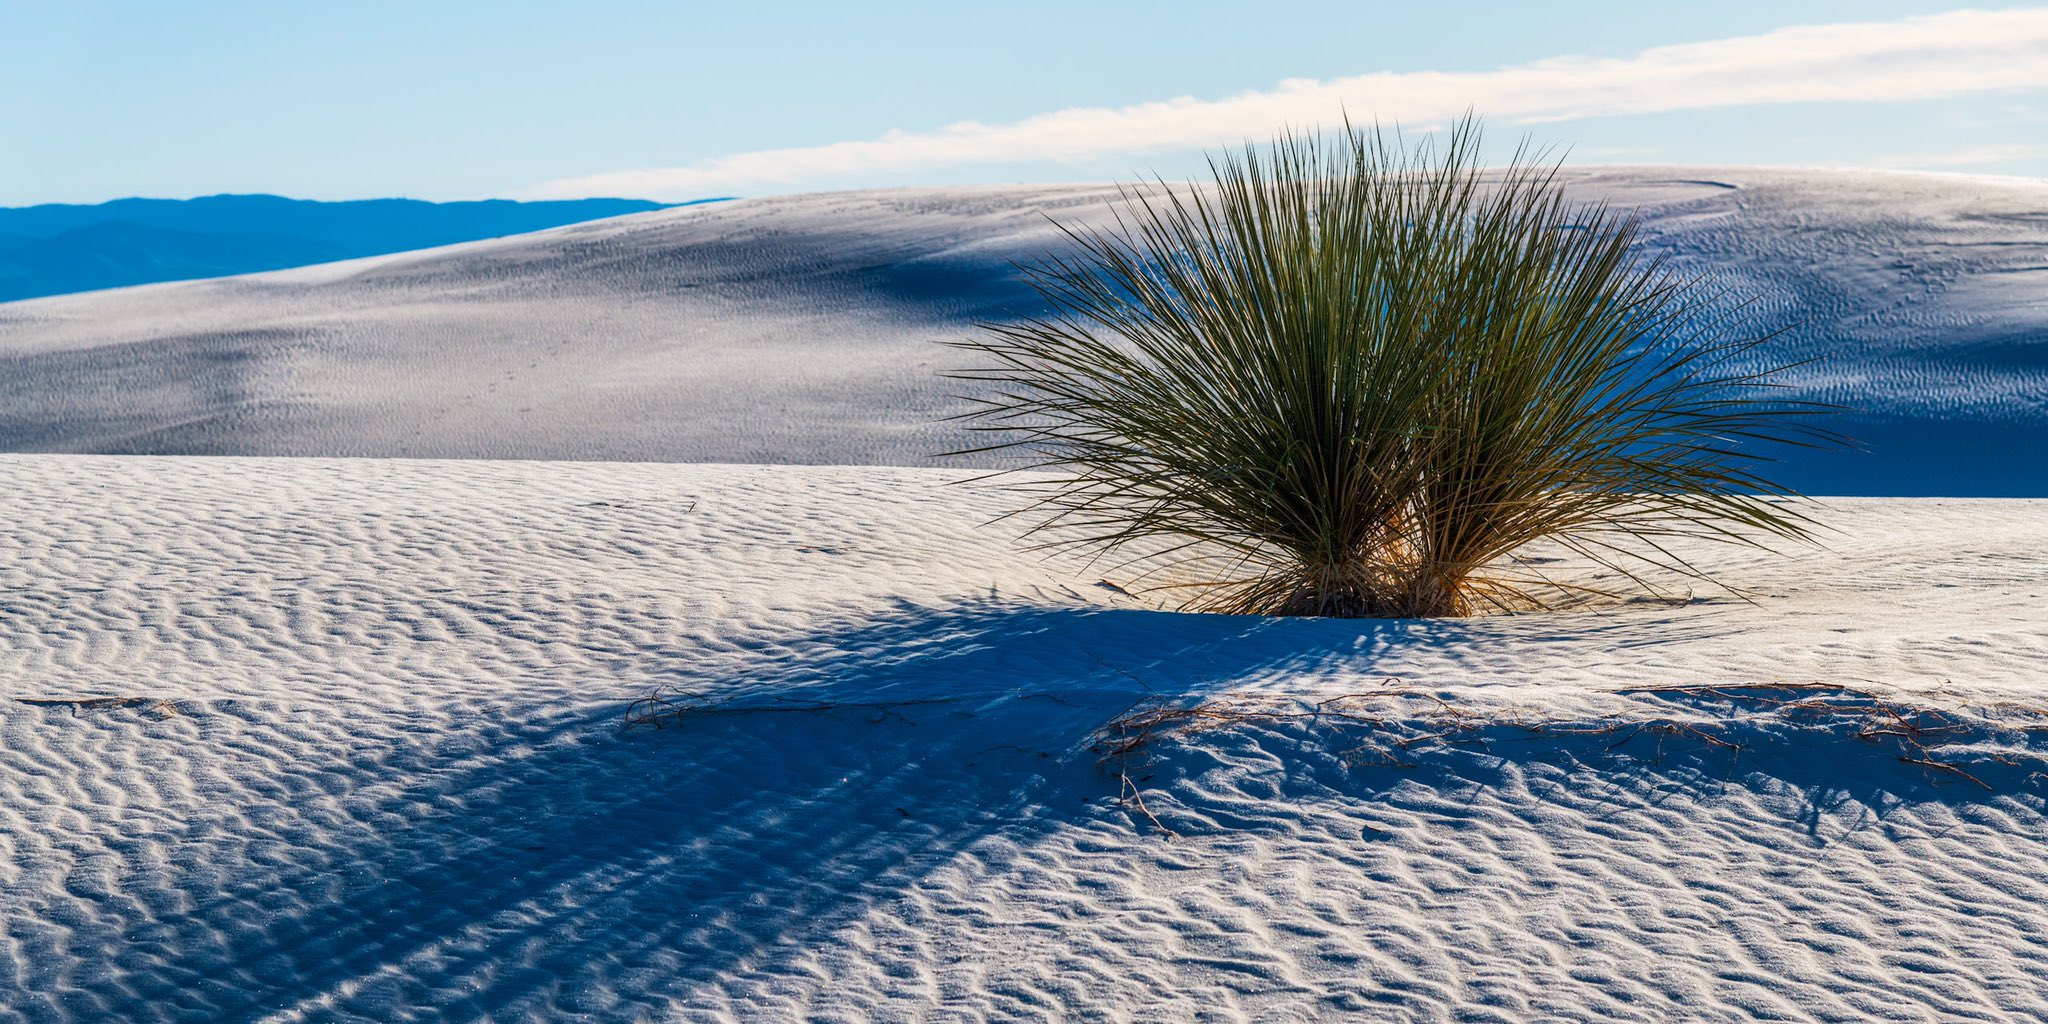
x=323, y=738
x=803, y=330
x=341, y=740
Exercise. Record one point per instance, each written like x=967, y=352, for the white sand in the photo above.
x=334, y=739
x=804, y=329
x=373, y=769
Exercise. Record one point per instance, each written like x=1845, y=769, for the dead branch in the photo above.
x=664, y=707
x=1390, y=722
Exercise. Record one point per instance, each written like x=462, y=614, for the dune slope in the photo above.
x=342, y=740
x=804, y=329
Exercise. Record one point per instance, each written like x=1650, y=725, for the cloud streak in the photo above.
x=1928, y=57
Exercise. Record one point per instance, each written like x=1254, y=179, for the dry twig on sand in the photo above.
x=1123, y=741
x=669, y=706
x=1397, y=718
x=160, y=707
x=1918, y=728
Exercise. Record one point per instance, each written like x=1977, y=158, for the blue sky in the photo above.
x=467, y=100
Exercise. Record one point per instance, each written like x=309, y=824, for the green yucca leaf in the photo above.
x=1351, y=377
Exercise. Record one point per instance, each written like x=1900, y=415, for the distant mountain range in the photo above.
x=59, y=248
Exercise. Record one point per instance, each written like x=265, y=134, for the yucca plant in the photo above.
x=1352, y=377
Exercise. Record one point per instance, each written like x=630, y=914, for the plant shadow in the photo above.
x=547, y=862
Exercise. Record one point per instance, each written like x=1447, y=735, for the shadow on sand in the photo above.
x=551, y=864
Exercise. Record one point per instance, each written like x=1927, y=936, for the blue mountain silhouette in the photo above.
x=58, y=248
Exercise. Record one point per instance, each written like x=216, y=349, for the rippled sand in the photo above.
x=299, y=739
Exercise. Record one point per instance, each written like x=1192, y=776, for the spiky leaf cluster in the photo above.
x=1349, y=377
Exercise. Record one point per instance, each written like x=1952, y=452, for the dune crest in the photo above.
x=802, y=329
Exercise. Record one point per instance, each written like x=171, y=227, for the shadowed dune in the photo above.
x=804, y=330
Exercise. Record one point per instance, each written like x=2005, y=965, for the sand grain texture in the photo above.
x=343, y=742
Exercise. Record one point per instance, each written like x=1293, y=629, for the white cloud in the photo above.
x=1912, y=58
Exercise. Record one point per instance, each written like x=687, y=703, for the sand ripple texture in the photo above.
x=341, y=740
x=806, y=329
